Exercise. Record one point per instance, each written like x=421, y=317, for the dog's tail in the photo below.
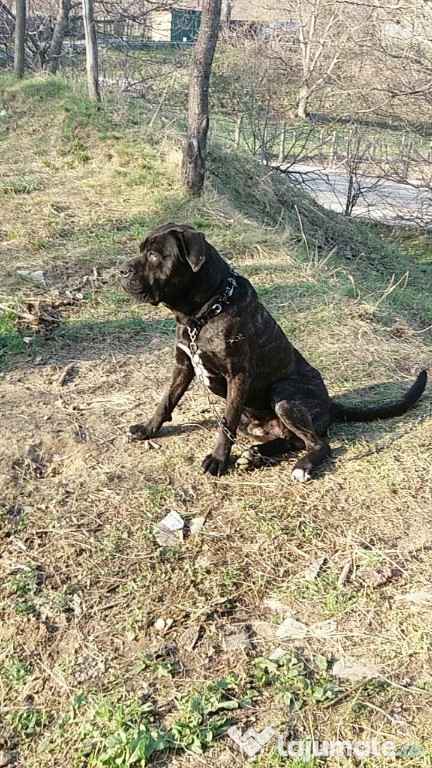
x=342, y=412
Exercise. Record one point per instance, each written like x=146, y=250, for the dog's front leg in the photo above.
x=237, y=387
x=181, y=377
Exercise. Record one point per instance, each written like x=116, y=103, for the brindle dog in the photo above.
x=227, y=338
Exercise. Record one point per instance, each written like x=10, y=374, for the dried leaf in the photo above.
x=38, y=276
x=264, y=629
x=277, y=654
x=78, y=604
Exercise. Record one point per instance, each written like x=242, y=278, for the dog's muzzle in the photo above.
x=133, y=284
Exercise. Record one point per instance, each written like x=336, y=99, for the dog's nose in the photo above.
x=125, y=270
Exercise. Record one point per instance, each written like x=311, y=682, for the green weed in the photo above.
x=202, y=715
x=296, y=682
x=15, y=670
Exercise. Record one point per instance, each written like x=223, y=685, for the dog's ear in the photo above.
x=194, y=247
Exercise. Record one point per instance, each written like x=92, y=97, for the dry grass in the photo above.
x=83, y=581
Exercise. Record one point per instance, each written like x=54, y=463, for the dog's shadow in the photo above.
x=374, y=395
x=371, y=437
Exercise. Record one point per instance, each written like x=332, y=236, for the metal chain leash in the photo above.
x=242, y=446
x=267, y=461
x=194, y=331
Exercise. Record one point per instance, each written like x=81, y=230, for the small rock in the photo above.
x=237, y=640
x=243, y=462
x=196, y=525
x=420, y=597
x=292, y=628
x=264, y=629
x=296, y=629
x=376, y=577
x=159, y=625
x=277, y=654
x=342, y=580
x=277, y=606
x=314, y=568
x=324, y=628
x=169, y=531
x=248, y=459
x=352, y=669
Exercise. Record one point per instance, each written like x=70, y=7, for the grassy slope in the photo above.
x=84, y=582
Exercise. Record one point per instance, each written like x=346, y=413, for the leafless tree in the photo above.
x=59, y=33
x=322, y=35
x=91, y=50
x=20, y=33
x=195, y=151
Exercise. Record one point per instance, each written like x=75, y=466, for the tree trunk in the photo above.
x=227, y=15
x=20, y=30
x=59, y=35
x=195, y=151
x=303, y=103
x=91, y=50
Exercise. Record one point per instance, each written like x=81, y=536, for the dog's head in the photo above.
x=169, y=259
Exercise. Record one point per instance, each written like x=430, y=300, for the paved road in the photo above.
x=381, y=200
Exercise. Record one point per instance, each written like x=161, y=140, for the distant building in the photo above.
x=175, y=25
x=173, y=21
x=180, y=22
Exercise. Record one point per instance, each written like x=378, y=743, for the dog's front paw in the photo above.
x=142, y=431
x=213, y=466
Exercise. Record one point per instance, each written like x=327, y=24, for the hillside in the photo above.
x=114, y=650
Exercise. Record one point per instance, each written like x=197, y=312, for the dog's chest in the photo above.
x=200, y=371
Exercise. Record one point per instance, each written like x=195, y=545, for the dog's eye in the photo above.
x=153, y=256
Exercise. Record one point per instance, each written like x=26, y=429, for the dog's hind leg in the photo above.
x=305, y=416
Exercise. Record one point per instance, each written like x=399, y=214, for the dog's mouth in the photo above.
x=139, y=294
